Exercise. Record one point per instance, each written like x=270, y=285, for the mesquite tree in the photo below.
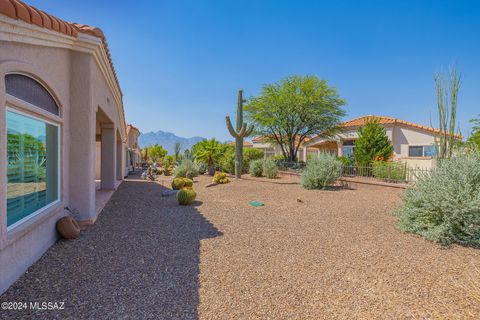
x=293, y=109
x=241, y=132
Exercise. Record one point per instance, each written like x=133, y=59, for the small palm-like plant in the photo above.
x=208, y=151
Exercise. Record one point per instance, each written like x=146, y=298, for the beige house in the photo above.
x=134, y=153
x=412, y=143
x=61, y=116
x=271, y=149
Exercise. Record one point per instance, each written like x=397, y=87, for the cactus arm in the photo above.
x=241, y=134
x=230, y=127
x=249, y=130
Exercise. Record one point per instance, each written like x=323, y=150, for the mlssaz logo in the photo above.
x=47, y=305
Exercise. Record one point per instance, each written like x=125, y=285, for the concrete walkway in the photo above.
x=140, y=260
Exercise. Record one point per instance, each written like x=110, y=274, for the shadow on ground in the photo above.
x=141, y=260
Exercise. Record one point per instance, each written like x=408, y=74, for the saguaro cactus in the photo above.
x=239, y=134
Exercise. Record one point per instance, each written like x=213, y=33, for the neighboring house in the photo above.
x=412, y=143
x=272, y=148
x=246, y=144
x=134, y=153
x=59, y=96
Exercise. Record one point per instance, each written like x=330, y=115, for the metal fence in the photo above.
x=388, y=172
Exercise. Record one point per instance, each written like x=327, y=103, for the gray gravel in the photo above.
x=331, y=255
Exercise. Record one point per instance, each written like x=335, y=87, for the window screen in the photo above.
x=29, y=90
x=415, y=151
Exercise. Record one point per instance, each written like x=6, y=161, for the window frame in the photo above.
x=423, y=150
x=11, y=108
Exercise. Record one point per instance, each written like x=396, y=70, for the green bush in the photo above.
x=227, y=161
x=270, y=169
x=392, y=171
x=249, y=155
x=444, y=205
x=187, y=169
x=346, y=161
x=202, y=167
x=256, y=168
x=321, y=172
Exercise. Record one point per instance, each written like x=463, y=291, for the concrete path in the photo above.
x=139, y=261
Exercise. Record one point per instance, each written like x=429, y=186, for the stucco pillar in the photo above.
x=120, y=163
x=304, y=154
x=81, y=134
x=108, y=166
x=340, y=151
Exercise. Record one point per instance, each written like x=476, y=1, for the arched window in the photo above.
x=33, y=152
x=29, y=90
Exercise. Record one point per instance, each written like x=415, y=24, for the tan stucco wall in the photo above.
x=77, y=83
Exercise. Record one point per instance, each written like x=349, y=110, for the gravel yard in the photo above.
x=331, y=255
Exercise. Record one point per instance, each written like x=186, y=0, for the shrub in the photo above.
x=321, y=172
x=372, y=143
x=220, y=178
x=256, y=168
x=186, y=196
x=444, y=205
x=187, y=182
x=227, y=161
x=202, y=167
x=393, y=171
x=270, y=169
x=249, y=155
x=178, y=183
x=187, y=169
x=346, y=161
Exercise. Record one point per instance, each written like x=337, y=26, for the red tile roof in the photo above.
x=389, y=120
x=17, y=9
x=245, y=143
x=260, y=139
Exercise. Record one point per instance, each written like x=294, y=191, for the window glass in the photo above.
x=429, y=151
x=415, y=151
x=32, y=166
x=347, y=151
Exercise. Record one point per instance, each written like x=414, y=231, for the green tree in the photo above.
x=208, y=151
x=156, y=152
x=297, y=107
x=372, y=143
x=475, y=137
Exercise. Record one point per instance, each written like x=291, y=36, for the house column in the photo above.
x=108, y=165
x=304, y=154
x=80, y=133
x=340, y=145
x=120, y=166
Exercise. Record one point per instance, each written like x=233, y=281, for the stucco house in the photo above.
x=59, y=99
x=412, y=143
x=134, y=153
x=271, y=148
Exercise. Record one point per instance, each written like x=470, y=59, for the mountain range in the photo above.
x=167, y=140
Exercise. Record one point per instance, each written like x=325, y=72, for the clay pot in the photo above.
x=68, y=228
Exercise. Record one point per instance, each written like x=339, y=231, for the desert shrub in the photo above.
x=202, y=167
x=270, y=169
x=256, y=168
x=227, y=160
x=220, y=177
x=395, y=171
x=249, y=155
x=321, y=172
x=178, y=183
x=187, y=169
x=444, y=205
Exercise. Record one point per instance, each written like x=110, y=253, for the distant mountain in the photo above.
x=166, y=140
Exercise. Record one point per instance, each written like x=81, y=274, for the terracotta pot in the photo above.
x=68, y=228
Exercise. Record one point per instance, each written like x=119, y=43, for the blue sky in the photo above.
x=180, y=63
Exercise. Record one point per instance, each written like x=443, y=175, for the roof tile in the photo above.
x=7, y=8
x=21, y=11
